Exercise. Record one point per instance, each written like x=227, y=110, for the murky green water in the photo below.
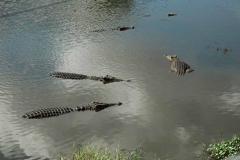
x=169, y=113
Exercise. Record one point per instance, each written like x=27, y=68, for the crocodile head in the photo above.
x=122, y=28
x=189, y=70
x=171, y=57
x=119, y=103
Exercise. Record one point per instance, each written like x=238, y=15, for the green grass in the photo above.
x=225, y=149
x=87, y=152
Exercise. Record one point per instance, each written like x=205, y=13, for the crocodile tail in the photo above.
x=47, y=113
x=95, y=78
x=98, y=30
x=180, y=67
x=66, y=75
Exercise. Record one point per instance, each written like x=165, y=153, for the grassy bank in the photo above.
x=217, y=151
x=225, y=149
x=87, y=152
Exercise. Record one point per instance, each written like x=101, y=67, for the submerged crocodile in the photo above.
x=123, y=28
x=52, y=112
x=120, y=28
x=106, y=79
x=171, y=14
x=178, y=66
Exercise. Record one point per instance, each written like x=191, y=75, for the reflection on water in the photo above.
x=167, y=112
x=12, y=8
x=231, y=100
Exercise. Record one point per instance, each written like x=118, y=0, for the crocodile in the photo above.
x=178, y=66
x=123, y=28
x=52, y=112
x=146, y=15
x=171, y=14
x=106, y=79
x=120, y=28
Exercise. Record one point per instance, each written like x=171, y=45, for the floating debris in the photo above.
x=224, y=49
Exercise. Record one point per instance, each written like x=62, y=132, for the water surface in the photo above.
x=169, y=113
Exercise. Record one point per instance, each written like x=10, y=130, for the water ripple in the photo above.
x=41, y=37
